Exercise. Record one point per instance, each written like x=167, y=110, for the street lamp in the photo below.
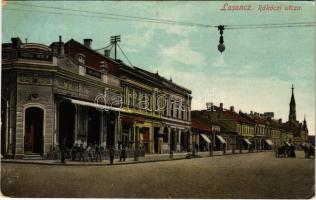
x=221, y=46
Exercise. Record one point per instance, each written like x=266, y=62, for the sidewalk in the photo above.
x=147, y=158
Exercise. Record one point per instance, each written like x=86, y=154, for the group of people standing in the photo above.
x=90, y=153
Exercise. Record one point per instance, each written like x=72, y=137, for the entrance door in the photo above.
x=172, y=140
x=93, y=126
x=156, y=133
x=110, y=138
x=33, y=138
x=3, y=126
x=67, y=113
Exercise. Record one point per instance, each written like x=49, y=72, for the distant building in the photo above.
x=299, y=130
x=205, y=133
x=311, y=139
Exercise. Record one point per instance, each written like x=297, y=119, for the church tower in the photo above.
x=292, y=114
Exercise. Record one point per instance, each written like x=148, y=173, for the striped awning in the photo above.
x=287, y=143
x=97, y=106
x=221, y=139
x=269, y=142
x=247, y=141
x=207, y=139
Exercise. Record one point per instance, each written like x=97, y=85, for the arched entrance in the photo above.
x=33, y=135
x=66, y=123
x=3, y=126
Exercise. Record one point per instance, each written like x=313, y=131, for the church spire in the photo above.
x=292, y=114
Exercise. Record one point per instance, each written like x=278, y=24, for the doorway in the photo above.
x=172, y=140
x=33, y=136
x=3, y=126
x=67, y=123
x=93, y=126
x=156, y=139
x=110, y=138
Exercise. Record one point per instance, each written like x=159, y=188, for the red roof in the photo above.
x=197, y=124
x=93, y=58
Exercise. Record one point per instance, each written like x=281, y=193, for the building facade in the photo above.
x=68, y=93
x=47, y=99
x=156, y=112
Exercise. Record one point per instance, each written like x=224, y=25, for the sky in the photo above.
x=254, y=73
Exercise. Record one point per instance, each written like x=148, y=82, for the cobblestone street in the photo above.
x=255, y=175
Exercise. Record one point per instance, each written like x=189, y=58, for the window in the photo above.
x=165, y=137
x=130, y=98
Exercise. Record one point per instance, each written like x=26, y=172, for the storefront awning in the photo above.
x=269, y=142
x=287, y=143
x=97, y=106
x=221, y=139
x=205, y=138
x=247, y=141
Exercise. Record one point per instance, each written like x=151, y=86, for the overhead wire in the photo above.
x=160, y=21
x=125, y=55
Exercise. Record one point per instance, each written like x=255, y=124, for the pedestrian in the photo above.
x=97, y=152
x=89, y=152
x=111, y=154
x=74, y=152
x=62, y=150
x=292, y=151
x=81, y=150
x=123, y=153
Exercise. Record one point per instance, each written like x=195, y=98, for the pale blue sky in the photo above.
x=255, y=72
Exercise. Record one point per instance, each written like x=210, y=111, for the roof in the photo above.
x=93, y=58
x=200, y=125
x=153, y=77
x=257, y=119
x=238, y=117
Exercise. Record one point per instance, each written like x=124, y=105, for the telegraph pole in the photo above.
x=114, y=40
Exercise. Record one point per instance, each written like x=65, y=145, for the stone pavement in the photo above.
x=146, y=158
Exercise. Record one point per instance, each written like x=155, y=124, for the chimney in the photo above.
x=103, y=67
x=87, y=43
x=61, y=49
x=107, y=52
x=58, y=47
x=16, y=42
x=280, y=121
x=232, y=109
x=209, y=106
x=221, y=107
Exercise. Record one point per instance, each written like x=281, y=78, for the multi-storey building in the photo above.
x=275, y=131
x=47, y=98
x=236, y=130
x=261, y=130
x=206, y=133
x=69, y=93
x=156, y=111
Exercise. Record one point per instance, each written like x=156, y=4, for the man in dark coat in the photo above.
x=111, y=154
x=123, y=153
x=97, y=152
x=62, y=150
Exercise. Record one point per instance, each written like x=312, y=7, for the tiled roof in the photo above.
x=199, y=124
